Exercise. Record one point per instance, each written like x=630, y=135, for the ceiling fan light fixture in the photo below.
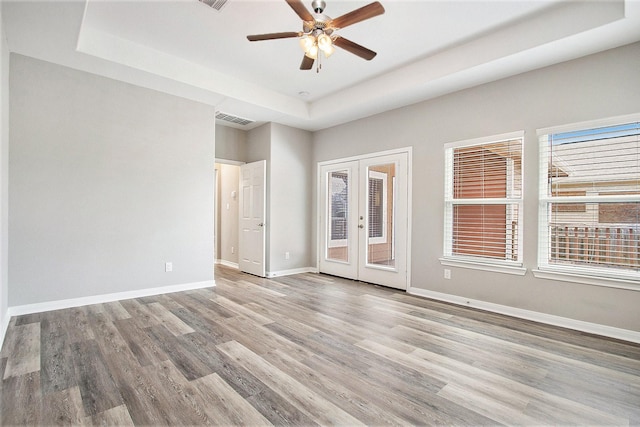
x=312, y=52
x=312, y=45
x=324, y=42
x=307, y=42
x=328, y=51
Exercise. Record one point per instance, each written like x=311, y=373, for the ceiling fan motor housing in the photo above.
x=319, y=24
x=318, y=6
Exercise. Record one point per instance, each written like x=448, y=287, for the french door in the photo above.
x=364, y=219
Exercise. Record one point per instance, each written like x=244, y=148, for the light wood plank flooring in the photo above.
x=308, y=350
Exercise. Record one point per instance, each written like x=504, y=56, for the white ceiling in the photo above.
x=425, y=49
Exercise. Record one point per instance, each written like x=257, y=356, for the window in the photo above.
x=590, y=200
x=377, y=207
x=483, y=200
x=338, y=208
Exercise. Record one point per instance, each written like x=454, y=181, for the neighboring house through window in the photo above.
x=590, y=200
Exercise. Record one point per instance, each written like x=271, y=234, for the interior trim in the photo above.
x=228, y=263
x=549, y=319
x=40, y=307
x=608, y=282
x=271, y=274
x=4, y=326
x=495, y=268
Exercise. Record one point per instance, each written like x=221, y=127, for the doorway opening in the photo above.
x=227, y=178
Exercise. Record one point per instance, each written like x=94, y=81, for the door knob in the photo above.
x=361, y=226
x=261, y=224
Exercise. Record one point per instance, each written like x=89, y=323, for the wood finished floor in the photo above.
x=306, y=350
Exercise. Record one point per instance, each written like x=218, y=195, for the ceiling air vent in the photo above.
x=233, y=119
x=216, y=4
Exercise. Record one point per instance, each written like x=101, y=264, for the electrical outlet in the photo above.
x=447, y=273
x=286, y=255
x=168, y=267
x=233, y=250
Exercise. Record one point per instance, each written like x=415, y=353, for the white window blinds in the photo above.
x=483, y=200
x=338, y=208
x=377, y=207
x=590, y=200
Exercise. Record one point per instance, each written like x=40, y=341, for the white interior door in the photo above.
x=251, y=244
x=364, y=219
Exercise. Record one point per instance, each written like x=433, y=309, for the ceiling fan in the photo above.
x=319, y=32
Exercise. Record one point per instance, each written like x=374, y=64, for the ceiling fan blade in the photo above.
x=299, y=8
x=354, y=48
x=365, y=12
x=307, y=63
x=272, y=36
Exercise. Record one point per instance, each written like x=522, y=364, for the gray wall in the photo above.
x=258, y=144
x=108, y=181
x=598, y=86
x=231, y=143
x=289, y=177
x=290, y=208
x=4, y=174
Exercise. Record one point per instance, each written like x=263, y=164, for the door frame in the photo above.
x=216, y=230
x=405, y=150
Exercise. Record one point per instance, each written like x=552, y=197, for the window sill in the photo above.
x=475, y=265
x=608, y=282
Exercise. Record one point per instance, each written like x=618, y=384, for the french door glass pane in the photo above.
x=381, y=214
x=338, y=216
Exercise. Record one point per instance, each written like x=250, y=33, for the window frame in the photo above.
x=479, y=262
x=585, y=274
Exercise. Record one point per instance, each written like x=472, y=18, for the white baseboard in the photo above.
x=271, y=274
x=3, y=328
x=549, y=319
x=97, y=299
x=227, y=263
